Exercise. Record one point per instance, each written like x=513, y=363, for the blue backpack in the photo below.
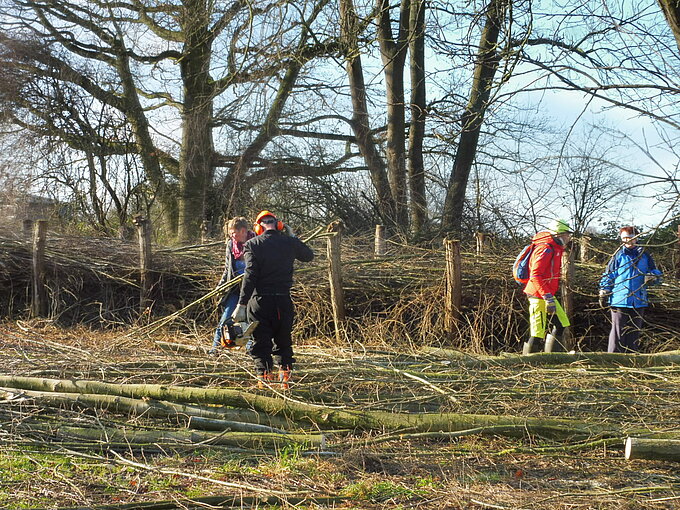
x=520, y=269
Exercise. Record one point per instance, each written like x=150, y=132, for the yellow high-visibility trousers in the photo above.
x=538, y=316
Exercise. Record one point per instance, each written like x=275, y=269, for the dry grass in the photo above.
x=357, y=469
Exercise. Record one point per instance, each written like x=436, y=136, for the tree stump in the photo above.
x=584, y=248
x=483, y=242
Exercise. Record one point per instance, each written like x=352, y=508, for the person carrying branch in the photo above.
x=623, y=286
x=545, y=266
x=237, y=233
x=265, y=296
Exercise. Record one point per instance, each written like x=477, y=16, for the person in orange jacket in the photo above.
x=545, y=267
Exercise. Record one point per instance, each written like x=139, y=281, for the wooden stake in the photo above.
x=380, y=245
x=39, y=305
x=567, y=293
x=28, y=229
x=454, y=284
x=483, y=242
x=677, y=260
x=584, y=245
x=206, y=228
x=144, y=235
x=335, y=276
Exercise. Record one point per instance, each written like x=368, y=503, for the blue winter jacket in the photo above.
x=625, y=277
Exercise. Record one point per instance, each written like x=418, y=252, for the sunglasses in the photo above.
x=270, y=221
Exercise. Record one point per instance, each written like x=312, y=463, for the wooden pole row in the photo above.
x=453, y=273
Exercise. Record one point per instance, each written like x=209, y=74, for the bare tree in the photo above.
x=471, y=121
x=671, y=10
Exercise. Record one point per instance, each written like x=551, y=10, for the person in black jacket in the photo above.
x=265, y=296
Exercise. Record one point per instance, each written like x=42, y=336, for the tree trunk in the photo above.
x=393, y=53
x=112, y=435
x=488, y=59
x=563, y=358
x=270, y=127
x=144, y=143
x=653, y=449
x=243, y=420
x=671, y=10
x=195, y=158
x=360, y=123
x=416, y=166
x=322, y=416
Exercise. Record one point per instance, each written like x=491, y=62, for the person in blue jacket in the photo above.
x=624, y=287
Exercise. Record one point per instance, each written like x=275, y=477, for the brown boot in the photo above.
x=284, y=378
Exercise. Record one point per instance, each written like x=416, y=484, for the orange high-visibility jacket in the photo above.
x=545, y=266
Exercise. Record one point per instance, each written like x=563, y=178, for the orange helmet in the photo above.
x=263, y=214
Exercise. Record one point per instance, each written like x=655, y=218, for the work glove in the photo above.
x=549, y=303
x=289, y=231
x=239, y=314
x=604, y=294
x=650, y=278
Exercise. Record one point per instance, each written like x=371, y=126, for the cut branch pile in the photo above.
x=392, y=300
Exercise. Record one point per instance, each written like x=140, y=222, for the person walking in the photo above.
x=237, y=233
x=545, y=266
x=623, y=286
x=265, y=296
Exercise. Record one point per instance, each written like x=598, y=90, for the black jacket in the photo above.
x=269, y=261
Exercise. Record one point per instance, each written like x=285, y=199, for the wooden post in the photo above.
x=144, y=235
x=567, y=293
x=27, y=229
x=584, y=245
x=483, y=241
x=206, y=227
x=335, y=276
x=454, y=284
x=677, y=260
x=39, y=305
x=380, y=245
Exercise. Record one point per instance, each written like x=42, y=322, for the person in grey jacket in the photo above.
x=237, y=233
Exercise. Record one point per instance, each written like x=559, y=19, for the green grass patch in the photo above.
x=381, y=491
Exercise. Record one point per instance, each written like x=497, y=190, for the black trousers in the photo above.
x=626, y=327
x=272, y=343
